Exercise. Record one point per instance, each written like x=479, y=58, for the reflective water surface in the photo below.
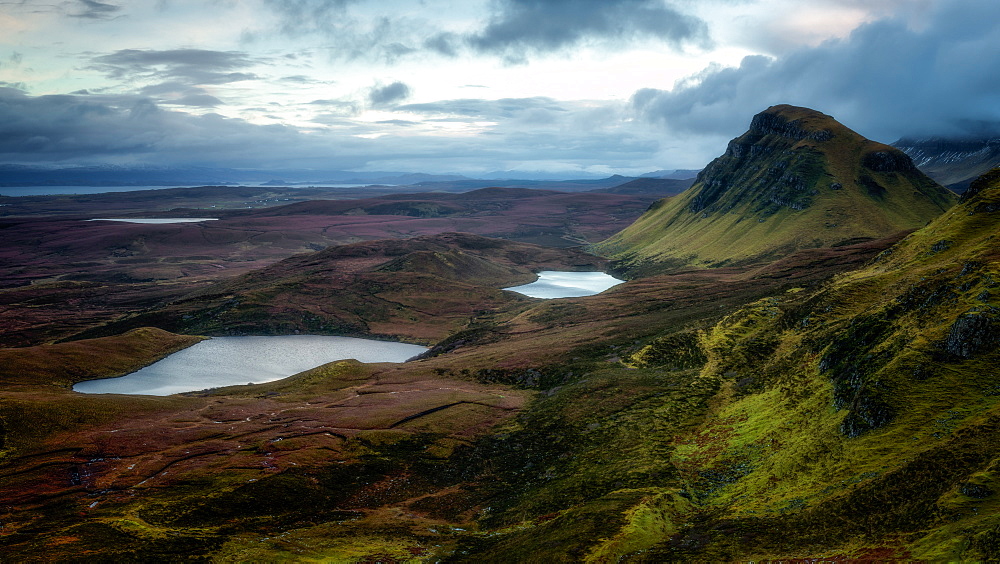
x=228, y=361
x=555, y=284
x=159, y=220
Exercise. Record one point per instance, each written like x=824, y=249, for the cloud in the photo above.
x=389, y=95
x=176, y=76
x=94, y=10
x=521, y=27
x=90, y=129
x=193, y=66
x=380, y=38
x=887, y=79
x=484, y=109
x=135, y=129
x=304, y=16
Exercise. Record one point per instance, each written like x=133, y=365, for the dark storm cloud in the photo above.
x=885, y=80
x=388, y=95
x=93, y=10
x=102, y=128
x=135, y=129
x=520, y=27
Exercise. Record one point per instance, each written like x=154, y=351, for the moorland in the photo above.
x=801, y=365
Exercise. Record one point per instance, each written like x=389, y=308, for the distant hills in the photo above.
x=796, y=179
x=12, y=175
x=954, y=163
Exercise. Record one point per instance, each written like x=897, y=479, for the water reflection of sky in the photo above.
x=159, y=220
x=228, y=361
x=553, y=284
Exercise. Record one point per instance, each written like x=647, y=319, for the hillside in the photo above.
x=796, y=179
x=52, y=256
x=653, y=186
x=861, y=420
x=420, y=289
x=952, y=162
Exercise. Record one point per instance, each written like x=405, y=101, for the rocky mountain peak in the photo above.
x=792, y=122
x=797, y=178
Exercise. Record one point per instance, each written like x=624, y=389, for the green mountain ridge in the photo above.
x=796, y=179
x=862, y=419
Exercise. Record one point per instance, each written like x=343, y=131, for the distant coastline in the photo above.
x=19, y=191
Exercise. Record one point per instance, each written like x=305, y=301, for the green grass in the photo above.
x=758, y=208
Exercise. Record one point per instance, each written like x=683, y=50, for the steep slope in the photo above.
x=860, y=421
x=952, y=162
x=796, y=179
x=857, y=421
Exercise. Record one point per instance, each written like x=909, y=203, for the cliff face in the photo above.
x=796, y=179
x=952, y=162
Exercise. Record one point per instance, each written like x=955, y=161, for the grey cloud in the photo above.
x=303, y=79
x=444, y=43
x=94, y=10
x=521, y=27
x=199, y=100
x=198, y=66
x=477, y=108
x=383, y=38
x=298, y=16
x=340, y=108
x=384, y=96
x=400, y=122
x=885, y=80
x=134, y=129
x=181, y=72
x=181, y=94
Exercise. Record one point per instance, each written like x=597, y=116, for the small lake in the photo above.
x=554, y=284
x=160, y=220
x=229, y=361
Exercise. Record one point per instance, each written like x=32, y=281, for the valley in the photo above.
x=800, y=365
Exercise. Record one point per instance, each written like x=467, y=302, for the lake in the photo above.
x=554, y=284
x=229, y=361
x=160, y=220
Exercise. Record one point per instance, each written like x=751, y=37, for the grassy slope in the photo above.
x=857, y=421
x=862, y=420
x=780, y=198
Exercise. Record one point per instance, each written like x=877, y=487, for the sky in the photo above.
x=571, y=87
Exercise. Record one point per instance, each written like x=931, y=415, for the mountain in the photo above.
x=860, y=420
x=677, y=174
x=796, y=179
x=652, y=186
x=952, y=162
